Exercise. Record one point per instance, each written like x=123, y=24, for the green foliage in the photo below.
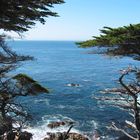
x=123, y=41
x=24, y=78
x=33, y=86
x=118, y=41
x=86, y=44
x=20, y=15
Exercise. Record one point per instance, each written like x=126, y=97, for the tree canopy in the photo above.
x=20, y=15
x=123, y=41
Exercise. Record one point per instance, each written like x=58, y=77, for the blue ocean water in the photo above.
x=59, y=63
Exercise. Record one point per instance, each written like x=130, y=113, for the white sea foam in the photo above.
x=46, y=101
x=40, y=131
x=86, y=80
x=73, y=85
x=94, y=124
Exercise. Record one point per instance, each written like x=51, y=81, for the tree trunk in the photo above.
x=3, y=110
x=137, y=117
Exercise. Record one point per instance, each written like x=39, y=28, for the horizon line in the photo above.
x=39, y=40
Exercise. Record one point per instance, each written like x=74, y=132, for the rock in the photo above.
x=58, y=124
x=73, y=85
x=124, y=138
x=11, y=136
x=61, y=136
x=76, y=136
x=17, y=136
x=5, y=125
x=55, y=136
x=25, y=136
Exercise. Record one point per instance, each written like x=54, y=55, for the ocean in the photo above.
x=59, y=63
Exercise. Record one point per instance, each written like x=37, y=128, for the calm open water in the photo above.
x=59, y=63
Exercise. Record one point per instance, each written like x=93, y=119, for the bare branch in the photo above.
x=114, y=127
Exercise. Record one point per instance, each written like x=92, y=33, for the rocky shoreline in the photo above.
x=50, y=136
x=66, y=135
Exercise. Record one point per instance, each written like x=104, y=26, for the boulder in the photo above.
x=61, y=136
x=11, y=136
x=17, y=136
x=58, y=124
x=25, y=136
x=76, y=136
x=55, y=136
x=5, y=125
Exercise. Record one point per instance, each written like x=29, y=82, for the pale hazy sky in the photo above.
x=81, y=19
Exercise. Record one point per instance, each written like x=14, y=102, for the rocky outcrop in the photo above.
x=17, y=136
x=25, y=136
x=76, y=136
x=55, y=136
x=62, y=136
x=5, y=125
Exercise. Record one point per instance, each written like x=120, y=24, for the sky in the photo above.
x=82, y=19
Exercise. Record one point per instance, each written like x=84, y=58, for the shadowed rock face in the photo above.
x=61, y=136
x=5, y=125
x=17, y=136
x=25, y=136
x=124, y=138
